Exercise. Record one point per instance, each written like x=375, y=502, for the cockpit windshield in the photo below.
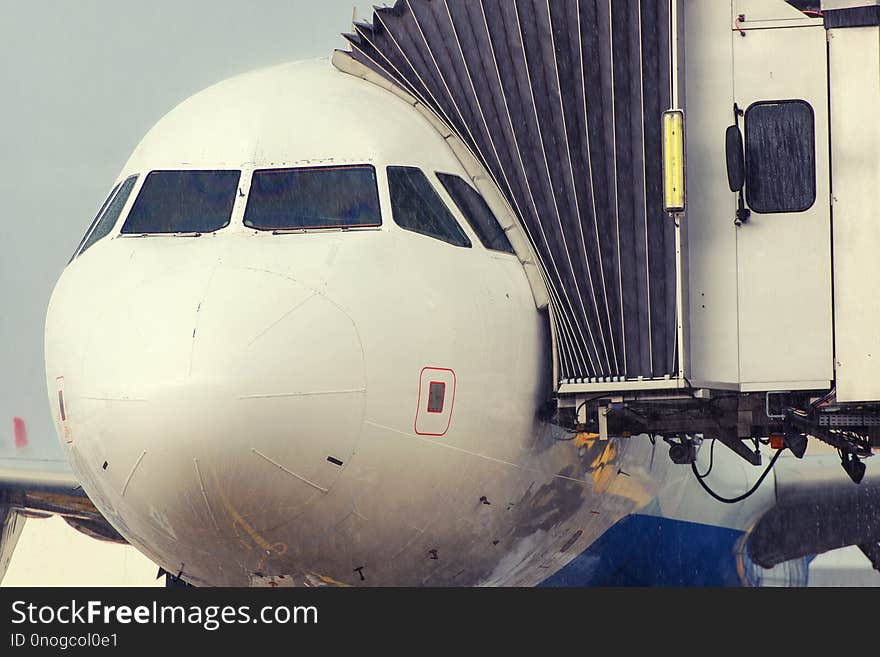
x=313, y=197
x=107, y=215
x=183, y=202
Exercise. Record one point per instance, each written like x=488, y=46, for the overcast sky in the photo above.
x=80, y=83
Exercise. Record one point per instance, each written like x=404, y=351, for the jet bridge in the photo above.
x=560, y=102
x=745, y=309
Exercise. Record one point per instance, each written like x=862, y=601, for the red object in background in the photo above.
x=20, y=432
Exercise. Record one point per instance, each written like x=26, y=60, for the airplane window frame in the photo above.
x=374, y=201
x=433, y=200
x=108, y=215
x=454, y=184
x=100, y=213
x=229, y=200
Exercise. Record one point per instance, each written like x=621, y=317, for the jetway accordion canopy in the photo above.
x=561, y=101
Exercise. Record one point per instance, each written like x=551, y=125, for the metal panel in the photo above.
x=714, y=339
x=855, y=97
x=561, y=102
x=784, y=259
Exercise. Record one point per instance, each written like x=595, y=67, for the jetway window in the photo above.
x=780, y=150
x=417, y=207
x=313, y=197
x=474, y=208
x=183, y=202
x=107, y=215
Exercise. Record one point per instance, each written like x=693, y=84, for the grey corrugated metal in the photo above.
x=561, y=102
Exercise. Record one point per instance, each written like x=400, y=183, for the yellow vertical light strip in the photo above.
x=673, y=162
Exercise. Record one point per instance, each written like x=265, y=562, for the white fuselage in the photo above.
x=243, y=404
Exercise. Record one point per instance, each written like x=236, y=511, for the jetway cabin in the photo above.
x=737, y=302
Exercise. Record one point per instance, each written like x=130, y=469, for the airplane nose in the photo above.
x=233, y=394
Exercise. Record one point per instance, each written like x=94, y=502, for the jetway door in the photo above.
x=784, y=248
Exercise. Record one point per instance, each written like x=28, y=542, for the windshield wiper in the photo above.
x=287, y=231
x=317, y=229
x=176, y=234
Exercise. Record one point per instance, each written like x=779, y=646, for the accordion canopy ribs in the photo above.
x=561, y=102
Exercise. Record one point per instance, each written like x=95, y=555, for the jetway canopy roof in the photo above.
x=561, y=102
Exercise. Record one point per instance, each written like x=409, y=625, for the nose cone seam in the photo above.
x=239, y=394
x=198, y=316
x=284, y=316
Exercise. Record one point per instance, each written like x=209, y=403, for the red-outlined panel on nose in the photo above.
x=435, y=402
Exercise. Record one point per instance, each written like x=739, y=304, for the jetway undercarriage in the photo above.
x=741, y=421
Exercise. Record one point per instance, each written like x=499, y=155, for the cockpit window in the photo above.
x=417, y=207
x=183, y=202
x=474, y=208
x=107, y=215
x=79, y=247
x=313, y=197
